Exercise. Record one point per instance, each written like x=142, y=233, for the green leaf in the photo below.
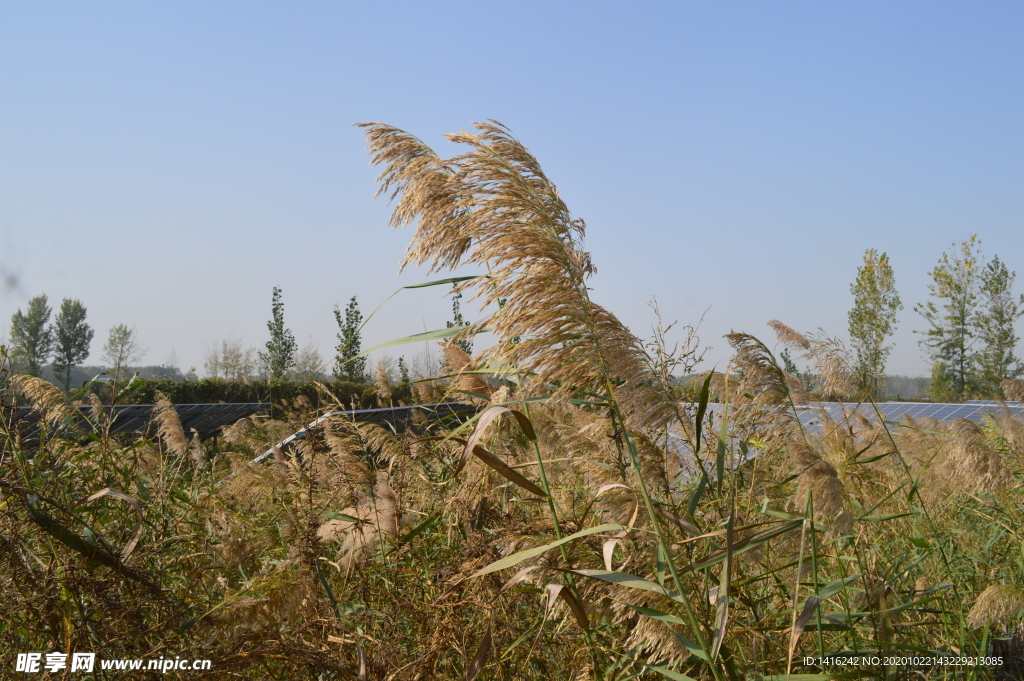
x=691, y=505
x=623, y=579
x=920, y=543
x=449, y=280
x=429, y=522
x=186, y=625
x=742, y=546
x=723, y=436
x=808, y=677
x=517, y=558
x=832, y=588
x=332, y=515
x=672, y=674
x=702, y=408
x=873, y=458
x=882, y=516
x=415, y=338
x=783, y=515
x=657, y=615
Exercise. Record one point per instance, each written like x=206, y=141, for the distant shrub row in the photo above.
x=212, y=390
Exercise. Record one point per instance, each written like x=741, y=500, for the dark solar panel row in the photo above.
x=397, y=419
x=204, y=419
x=208, y=419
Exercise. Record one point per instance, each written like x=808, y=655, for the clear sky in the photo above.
x=169, y=163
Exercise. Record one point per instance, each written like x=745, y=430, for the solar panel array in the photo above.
x=812, y=414
x=205, y=419
x=397, y=419
x=894, y=412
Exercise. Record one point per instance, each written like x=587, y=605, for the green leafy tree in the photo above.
x=281, y=348
x=122, y=349
x=31, y=339
x=403, y=371
x=458, y=321
x=951, y=316
x=873, y=319
x=347, y=367
x=72, y=337
x=996, y=359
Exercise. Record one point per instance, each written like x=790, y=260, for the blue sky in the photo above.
x=168, y=164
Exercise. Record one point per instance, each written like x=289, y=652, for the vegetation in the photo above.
x=349, y=365
x=997, y=361
x=458, y=321
x=281, y=348
x=31, y=337
x=212, y=390
x=970, y=337
x=873, y=319
x=71, y=339
x=122, y=349
x=231, y=361
x=584, y=524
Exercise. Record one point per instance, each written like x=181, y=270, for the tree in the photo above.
x=122, y=349
x=308, y=362
x=72, y=337
x=873, y=319
x=996, y=360
x=346, y=366
x=956, y=285
x=31, y=337
x=281, y=348
x=403, y=371
x=458, y=321
x=230, y=361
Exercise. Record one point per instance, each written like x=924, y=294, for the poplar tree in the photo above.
x=952, y=320
x=346, y=366
x=281, y=348
x=72, y=337
x=31, y=337
x=872, y=319
x=459, y=321
x=996, y=359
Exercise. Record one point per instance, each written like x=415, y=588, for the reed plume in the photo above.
x=169, y=428
x=494, y=207
x=999, y=604
x=376, y=515
x=459, y=362
x=819, y=480
x=44, y=397
x=381, y=383
x=827, y=354
x=1013, y=389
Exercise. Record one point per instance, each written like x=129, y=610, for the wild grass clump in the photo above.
x=584, y=524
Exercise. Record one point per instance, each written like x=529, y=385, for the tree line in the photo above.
x=64, y=344
x=969, y=336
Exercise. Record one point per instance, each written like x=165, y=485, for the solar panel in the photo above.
x=204, y=419
x=397, y=419
x=812, y=415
